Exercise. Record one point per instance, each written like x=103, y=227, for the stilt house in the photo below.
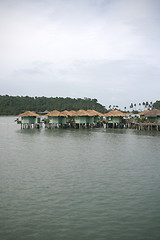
x=114, y=116
x=141, y=114
x=29, y=117
x=81, y=117
x=153, y=116
x=94, y=116
x=53, y=117
x=56, y=118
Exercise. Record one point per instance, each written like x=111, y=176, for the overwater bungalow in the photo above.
x=55, y=119
x=141, y=114
x=30, y=120
x=153, y=116
x=66, y=113
x=94, y=117
x=151, y=121
x=88, y=118
x=81, y=118
x=99, y=117
x=70, y=117
x=114, y=118
x=63, y=119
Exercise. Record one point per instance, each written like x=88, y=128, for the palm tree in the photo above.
x=131, y=106
x=151, y=105
x=143, y=104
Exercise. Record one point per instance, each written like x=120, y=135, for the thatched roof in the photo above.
x=29, y=114
x=65, y=112
x=101, y=114
x=115, y=113
x=72, y=113
x=82, y=113
x=144, y=112
x=94, y=113
x=54, y=113
x=153, y=113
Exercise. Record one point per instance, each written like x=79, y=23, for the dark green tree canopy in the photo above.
x=14, y=105
x=156, y=104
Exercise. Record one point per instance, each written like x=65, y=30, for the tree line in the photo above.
x=14, y=105
x=135, y=108
x=144, y=106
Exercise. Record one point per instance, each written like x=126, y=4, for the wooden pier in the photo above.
x=145, y=126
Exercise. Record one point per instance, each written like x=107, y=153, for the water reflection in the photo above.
x=31, y=131
x=83, y=132
x=147, y=133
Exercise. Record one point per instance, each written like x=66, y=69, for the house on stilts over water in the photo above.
x=115, y=119
x=55, y=119
x=141, y=114
x=75, y=119
x=153, y=116
x=70, y=121
x=29, y=119
x=95, y=118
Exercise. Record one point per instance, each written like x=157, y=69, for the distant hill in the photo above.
x=14, y=105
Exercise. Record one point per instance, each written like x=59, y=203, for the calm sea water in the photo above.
x=67, y=184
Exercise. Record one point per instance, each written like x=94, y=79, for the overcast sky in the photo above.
x=104, y=49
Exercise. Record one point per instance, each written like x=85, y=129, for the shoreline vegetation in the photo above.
x=15, y=105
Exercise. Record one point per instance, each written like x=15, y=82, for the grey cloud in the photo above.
x=104, y=49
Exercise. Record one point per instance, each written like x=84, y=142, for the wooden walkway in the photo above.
x=146, y=126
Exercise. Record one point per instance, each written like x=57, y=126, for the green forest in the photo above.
x=14, y=105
